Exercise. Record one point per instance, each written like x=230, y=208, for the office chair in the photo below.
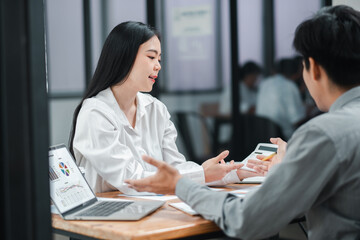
x=252, y=130
x=255, y=129
x=188, y=125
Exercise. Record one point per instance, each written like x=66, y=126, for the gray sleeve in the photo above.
x=290, y=189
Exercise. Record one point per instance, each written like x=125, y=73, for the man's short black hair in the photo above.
x=288, y=67
x=332, y=39
x=248, y=68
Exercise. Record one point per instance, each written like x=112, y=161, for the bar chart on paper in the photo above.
x=52, y=174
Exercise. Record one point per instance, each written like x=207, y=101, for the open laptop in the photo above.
x=75, y=200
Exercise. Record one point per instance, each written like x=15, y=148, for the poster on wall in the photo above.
x=191, y=50
x=190, y=23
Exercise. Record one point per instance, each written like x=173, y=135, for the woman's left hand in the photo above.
x=214, y=171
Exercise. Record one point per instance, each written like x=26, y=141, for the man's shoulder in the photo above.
x=335, y=125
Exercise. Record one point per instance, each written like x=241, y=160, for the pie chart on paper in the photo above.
x=64, y=169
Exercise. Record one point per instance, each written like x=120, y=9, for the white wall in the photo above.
x=288, y=14
x=60, y=119
x=65, y=46
x=352, y=3
x=117, y=11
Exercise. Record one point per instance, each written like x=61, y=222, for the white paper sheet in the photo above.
x=183, y=207
x=155, y=197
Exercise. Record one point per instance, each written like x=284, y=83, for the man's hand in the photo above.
x=164, y=181
x=214, y=171
x=245, y=174
x=262, y=167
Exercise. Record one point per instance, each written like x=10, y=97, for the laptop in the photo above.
x=75, y=200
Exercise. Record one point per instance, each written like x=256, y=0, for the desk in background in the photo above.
x=211, y=111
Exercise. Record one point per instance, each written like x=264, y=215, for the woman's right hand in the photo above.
x=216, y=168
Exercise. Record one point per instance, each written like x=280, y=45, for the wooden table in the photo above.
x=165, y=223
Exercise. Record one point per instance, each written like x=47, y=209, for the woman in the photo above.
x=115, y=124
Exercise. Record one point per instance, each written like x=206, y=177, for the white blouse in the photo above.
x=110, y=149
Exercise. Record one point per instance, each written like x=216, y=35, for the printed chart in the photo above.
x=64, y=169
x=68, y=187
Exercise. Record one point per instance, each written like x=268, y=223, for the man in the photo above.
x=279, y=97
x=319, y=174
x=249, y=74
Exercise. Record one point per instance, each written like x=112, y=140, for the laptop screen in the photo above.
x=68, y=188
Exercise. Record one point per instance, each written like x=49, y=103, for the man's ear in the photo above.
x=315, y=71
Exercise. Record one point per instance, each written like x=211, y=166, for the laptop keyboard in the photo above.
x=104, y=208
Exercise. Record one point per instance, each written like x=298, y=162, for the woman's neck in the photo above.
x=124, y=97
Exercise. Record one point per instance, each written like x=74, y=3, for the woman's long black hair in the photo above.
x=116, y=60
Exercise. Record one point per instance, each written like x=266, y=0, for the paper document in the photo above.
x=184, y=207
x=216, y=189
x=258, y=179
x=154, y=197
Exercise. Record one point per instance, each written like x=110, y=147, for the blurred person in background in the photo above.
x=279, y=97
x=249, y=75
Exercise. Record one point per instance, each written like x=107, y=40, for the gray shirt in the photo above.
x=319, y=177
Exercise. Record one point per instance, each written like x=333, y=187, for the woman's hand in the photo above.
x=214, y=171
x=262, y=167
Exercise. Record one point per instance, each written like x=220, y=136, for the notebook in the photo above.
x=75, y=200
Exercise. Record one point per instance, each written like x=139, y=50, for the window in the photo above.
x=288, y=14
x=65, y=46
